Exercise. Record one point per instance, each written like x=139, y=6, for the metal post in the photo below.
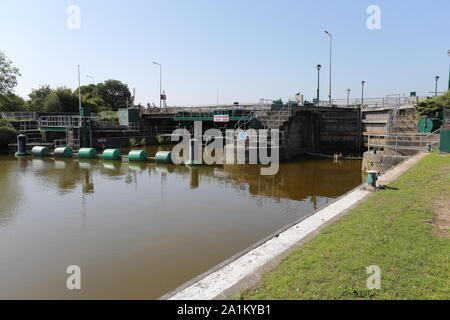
x=348, y=96
x=448, y=53
x=362, y=93
x=79, y=89
x=160, y=83
x=436, y=87
x=331, y=51
x=318, y=84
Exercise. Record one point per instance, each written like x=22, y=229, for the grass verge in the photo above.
x=395, y=229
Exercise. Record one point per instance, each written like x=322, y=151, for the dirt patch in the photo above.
x=442, y=208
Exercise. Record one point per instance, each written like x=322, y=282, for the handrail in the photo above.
x=391, y=141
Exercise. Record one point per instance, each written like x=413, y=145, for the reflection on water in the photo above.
x=139, y=230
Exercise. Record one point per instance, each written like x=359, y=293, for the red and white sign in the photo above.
x=221, y=118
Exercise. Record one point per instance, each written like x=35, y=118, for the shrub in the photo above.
x=435, y=105
x=7, y=135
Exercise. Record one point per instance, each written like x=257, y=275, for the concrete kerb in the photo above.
x=244, y=269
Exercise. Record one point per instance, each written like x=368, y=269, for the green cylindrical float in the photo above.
x=40, y=151
x=163, y=157
x=63, y=152
x=87, y=153
x=111, y=154
x=138, y=156
x=429, y=125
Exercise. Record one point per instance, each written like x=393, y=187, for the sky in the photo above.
x=244, y=49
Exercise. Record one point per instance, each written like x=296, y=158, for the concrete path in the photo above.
x=245, y=269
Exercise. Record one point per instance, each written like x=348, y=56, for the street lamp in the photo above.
x=348, y=96
x=79, y=90
x=436, y=87
x=160, y=83
x=331, y=48
x=362, y=93
x=318, y=84
x=448, y=53
x=92, y=78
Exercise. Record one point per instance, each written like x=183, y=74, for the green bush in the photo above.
x=432, y=106
x=4, y=123
x=7, y=135
x=11, y=103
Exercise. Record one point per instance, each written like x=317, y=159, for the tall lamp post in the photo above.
x=160, y=83
x=348, y=96
x=362, y=93
x=448, y=53
x=436, y=86
x=331, y=50
x=79, y=90
x=318, y=84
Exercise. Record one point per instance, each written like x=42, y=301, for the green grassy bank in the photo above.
x=403, y=230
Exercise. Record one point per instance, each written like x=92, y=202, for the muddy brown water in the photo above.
x=138, y=231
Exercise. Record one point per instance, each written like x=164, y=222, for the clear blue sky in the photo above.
x=249, y=49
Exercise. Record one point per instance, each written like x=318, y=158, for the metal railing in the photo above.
x=393, y=114
x=20, y=116
x=277, y=119
x=403, y=142
x=386, y=102
x=63, y=121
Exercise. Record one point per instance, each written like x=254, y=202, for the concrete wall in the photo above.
x=320, y=131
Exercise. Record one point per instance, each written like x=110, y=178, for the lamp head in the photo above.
x=318, y=66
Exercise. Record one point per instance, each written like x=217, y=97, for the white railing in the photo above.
x=277, y=119
x=20, y=116
x=386, y=102
x=63, y=121
x=403, y=142
x=392, y=118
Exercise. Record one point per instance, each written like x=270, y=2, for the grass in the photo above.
x=394, y=229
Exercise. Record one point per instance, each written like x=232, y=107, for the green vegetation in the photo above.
x=114, y=93
x=107, y=96
x=11, y=102
x=8, y=75
x=7, y=134
x=398, y=229
x=435, y=105
x=108, y=116
x=137, y=144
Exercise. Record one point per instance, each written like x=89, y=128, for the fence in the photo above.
x=404, y=142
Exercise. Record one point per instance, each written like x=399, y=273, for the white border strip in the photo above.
x=217, y=282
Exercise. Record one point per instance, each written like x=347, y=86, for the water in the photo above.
x=139, y=230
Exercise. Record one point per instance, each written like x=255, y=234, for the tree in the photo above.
x=11, y=102
x=114, y=93
x=38, y=97
x=7, y=133
x=8, y=75
x=435, y=105
x=87, y=92
x=61, y=100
